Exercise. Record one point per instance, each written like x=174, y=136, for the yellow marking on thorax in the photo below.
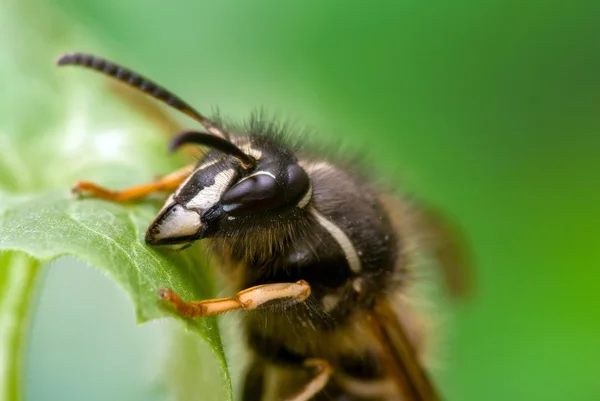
x=341, y=238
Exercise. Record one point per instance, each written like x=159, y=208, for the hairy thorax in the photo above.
x=306, y=245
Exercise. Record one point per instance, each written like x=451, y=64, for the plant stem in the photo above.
x=18, y=273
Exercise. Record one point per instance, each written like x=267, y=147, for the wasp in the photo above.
x=320, y=255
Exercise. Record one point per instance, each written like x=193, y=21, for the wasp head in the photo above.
x=256, y=181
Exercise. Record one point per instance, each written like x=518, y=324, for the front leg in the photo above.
x=278, y=294
x=168, y=183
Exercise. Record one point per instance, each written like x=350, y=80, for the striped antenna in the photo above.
x=212, y=141
x=141, y=83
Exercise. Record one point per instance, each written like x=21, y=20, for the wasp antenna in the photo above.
x=202, y=138
x=141, y=83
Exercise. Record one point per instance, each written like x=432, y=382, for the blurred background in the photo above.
x=488, y=110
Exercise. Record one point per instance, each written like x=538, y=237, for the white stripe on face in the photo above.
x=247, y=148
x=178, y=223
x=210, y=195
x=342, y=239
x=208, y=164
x=258, y=173
x=201, y=167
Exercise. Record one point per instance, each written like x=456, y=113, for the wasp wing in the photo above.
x=400, y=358
x=446, y=242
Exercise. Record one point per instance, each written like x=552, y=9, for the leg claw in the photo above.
x=167, y=294
x=76, y=190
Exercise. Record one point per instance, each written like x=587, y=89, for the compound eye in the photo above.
x=253, y=194
x=262, y=191
x=298, y=183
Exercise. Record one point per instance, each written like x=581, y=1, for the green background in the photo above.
x=488, y=110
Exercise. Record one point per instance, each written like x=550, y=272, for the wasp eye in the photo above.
x=263, y=191
x=254, y=194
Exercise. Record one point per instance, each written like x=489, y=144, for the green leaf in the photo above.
x=17, y=278
x=190, y=376
x=57, y=126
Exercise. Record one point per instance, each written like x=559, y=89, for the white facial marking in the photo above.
x=306, y=198
x=208, y=164
x=258, y=173
x=202, y=167
x=208, y=196
x=342, y=239
x=249, y=150
x=183, y=184
x=178, y=223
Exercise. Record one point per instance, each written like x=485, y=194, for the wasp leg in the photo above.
x=167, y=183
x=252, y=298
x=323, y=371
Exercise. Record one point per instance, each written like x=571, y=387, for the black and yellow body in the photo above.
x=320, y=256
x=342, y=241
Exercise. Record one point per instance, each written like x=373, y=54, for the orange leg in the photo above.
x=252, y=298
x=167, y=183
x=323, y=372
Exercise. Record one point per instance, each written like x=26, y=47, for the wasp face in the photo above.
x=220, y=190
x=175, y=224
